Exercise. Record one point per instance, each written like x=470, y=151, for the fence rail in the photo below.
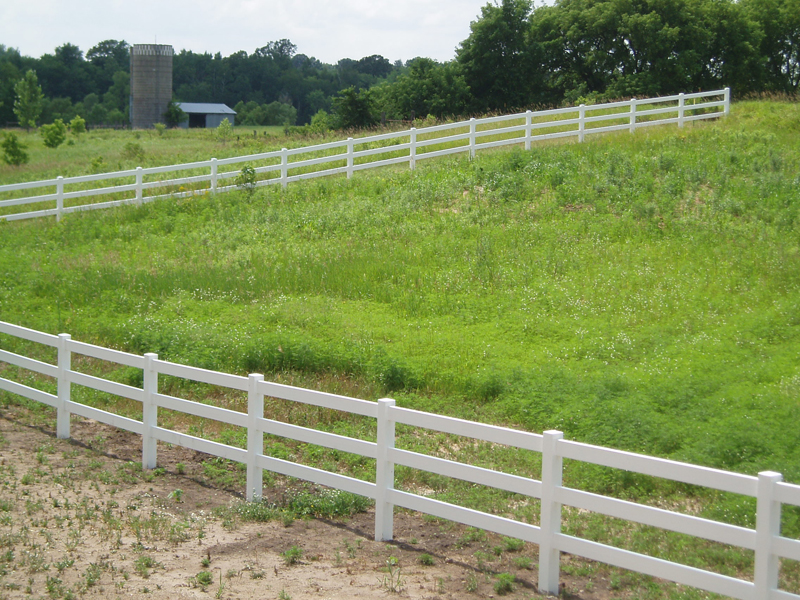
x=351, y=155
x=768, y=489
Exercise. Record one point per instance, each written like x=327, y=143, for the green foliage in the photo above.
x=354, y=109
x=427, y=560
x=427, y=87
x=274, y=113
x=28, y=101
x=497, y=59
x=77, y=125
x=204, y=579
x=292, y=555
x=224, y=131
x=174, y=115
x=13, y=150
x=246, y=179
x=504, y=584
x=133, y=151
x=55, y=134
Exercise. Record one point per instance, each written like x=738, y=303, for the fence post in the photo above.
x=472, y=129
x=284, y=167
x=581, y=121
x=59, y=197
x=64, y=365
x=412, y=153
x=255, y=438
x=384, y=475
x=727, y=101
x=213, y=175
x=681, y=107
x=527, y=130
x=633, y=115
x=549, y=554
x=149, y=411
x=139, y=194
x=349, y=157
x=768, y=526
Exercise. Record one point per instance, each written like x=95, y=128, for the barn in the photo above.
x=206, y=115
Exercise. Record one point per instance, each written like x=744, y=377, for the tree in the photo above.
x=174, y=115
x=28, y=104
x=77, y=126
x=54, y=134
x=354, y=109
x=13, y=151
x=427, y=88
x=496, y=58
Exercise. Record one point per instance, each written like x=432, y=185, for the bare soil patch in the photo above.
x=78, y=518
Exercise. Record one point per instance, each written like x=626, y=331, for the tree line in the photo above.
x=516, y=56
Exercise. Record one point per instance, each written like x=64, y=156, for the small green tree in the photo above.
x=246, y=180
x=77, y=126
x=13, y=150
x=54, y=134
x=354, y=108
x=174, y=115
x=224, y=131
x=28, y=102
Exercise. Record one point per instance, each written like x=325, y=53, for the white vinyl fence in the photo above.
x=348, y=156
x=771, y=493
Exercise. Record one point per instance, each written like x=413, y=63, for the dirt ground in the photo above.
x=78, y=519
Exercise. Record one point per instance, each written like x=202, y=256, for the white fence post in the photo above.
x=59, y=197
x=213, y=175
x=149, y=412
x=384, y=475
x=528, y=129
x=768, y=526
x=349, y=157
x=412, y=153
x=64, y=365
x=255, y=438
x=284, y=167
x=681, y=108
x=727, y=101
x=581, y=121
x=139, y=195
x=472, y=129
x=633, y=115
x=549, y=554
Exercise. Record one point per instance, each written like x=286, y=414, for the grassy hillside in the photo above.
x=640, y=292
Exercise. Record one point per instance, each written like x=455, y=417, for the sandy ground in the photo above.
x=78, y=519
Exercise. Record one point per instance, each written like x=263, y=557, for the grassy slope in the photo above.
x=637, y=291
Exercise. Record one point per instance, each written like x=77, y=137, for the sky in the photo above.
x=326, y=29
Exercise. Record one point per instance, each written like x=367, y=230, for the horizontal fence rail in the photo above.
x=767, y=488
x=348, y=156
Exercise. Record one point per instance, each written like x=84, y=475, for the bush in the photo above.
x=246, y=180
x=13, y=150
x=224, y=131
x=133, y=151
x=77, y=126
x=54, y=134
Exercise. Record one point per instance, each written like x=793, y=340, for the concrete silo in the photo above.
x=151, y=84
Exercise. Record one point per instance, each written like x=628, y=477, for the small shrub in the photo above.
x=504, y=582
x=427, y=560
x=292, y=555
x=246, y=179
x=98, y=165
x=54, y=134
x=133, y=151
x=224, y=131
x=513, y=544
x=13, y=150
x=77, y=125
x=204, y=579
x=160, y=128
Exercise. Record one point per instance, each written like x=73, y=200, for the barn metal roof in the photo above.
x=205, y=108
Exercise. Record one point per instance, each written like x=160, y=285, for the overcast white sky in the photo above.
x=326, y=29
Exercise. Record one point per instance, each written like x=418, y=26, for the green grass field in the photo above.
x=636, y=291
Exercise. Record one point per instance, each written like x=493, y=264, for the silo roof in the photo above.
x=205, y=108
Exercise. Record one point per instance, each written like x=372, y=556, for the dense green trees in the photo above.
x=516, y=56
x=28, y=101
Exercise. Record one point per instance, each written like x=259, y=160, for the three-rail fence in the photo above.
x=355, y=154
x=768, y=489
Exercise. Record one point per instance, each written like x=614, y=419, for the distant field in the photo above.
x=636, y=291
